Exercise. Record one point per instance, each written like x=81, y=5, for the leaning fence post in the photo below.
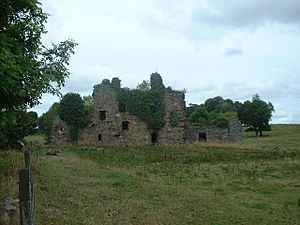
x=26, y=191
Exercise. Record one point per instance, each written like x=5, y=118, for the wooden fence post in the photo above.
x=26, y=191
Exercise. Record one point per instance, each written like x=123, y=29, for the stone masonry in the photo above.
x=110, y=126
x=232, y=134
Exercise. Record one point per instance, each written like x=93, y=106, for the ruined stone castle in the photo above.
x=112, y=125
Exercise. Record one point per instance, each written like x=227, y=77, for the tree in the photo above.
x=218, y=104
x=27, y=68
x=47, y=120
x=72, y=111
x=15, y=125
x=88, y=103
x=212, y=103
x=256, y=114
x=144, y=86
x=213, y=112
x=199, y=116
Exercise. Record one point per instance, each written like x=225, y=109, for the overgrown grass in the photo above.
x=37, y=140
x=10, y=164
x=254, y=183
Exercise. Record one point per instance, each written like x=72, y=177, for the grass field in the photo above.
x=254, y=183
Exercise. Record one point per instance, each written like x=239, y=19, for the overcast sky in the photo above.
x=232, y=49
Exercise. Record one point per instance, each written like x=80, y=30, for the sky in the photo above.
x=228, y=48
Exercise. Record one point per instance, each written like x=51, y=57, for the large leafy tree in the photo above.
x=213, y=112
x=72, y=111
x=218, y=104
x=198, y=114
x=27, y=68
x=256, y=114
x=15, y=125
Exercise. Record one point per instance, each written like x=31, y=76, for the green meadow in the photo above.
x=257, y=182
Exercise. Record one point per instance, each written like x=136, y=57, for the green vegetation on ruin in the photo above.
x=146, y=104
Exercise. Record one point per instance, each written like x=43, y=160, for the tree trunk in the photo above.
x=256, y=131
x=260, y=133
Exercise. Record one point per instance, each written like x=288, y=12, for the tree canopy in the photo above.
x=218, y=104
x=15, y=125
x=256, y=114
x=213, y=112
x=27, y=68
x=144, y=86
x=72, y=111
x=88, y=103
x=46, y=120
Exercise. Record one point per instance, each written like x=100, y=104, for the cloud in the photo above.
x=233, y=52
x=240, y=13
x=83, y=80
x=47, y=101
x=210, y=47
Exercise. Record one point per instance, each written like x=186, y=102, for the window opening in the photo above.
x=99, y=137
x=102, y=115
x=61, y=130
x=125, y=125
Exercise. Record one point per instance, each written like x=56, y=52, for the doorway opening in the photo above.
x=154, y=137
x=202, y=137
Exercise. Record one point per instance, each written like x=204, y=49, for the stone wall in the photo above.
x=235, y=132
x=110, y=127
x=60, y=133
x=232, y=134
x=173, y=135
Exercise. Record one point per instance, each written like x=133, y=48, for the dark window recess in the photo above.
x=102, y=115
x=99, y=137
x=154, y=137
x=125, y=125
x=122, y=107
x=202, y=137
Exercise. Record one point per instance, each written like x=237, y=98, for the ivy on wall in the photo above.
x=174, y=118
x=146, y=105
